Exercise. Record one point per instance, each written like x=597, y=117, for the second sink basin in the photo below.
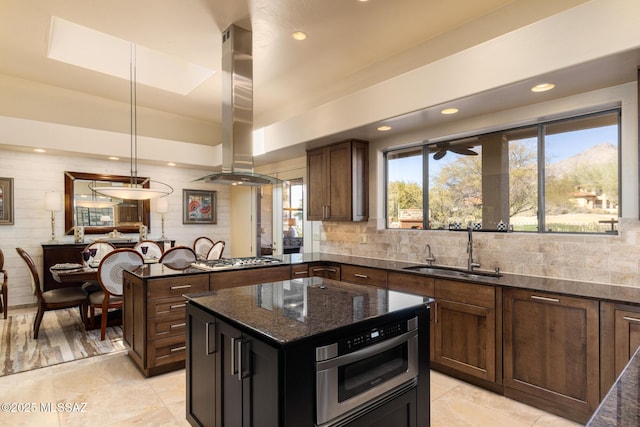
x=451, y=271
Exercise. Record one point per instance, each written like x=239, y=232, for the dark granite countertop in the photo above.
x=621, y=405
x=297, y=309
x=600, y=291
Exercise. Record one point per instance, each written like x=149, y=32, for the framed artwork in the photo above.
x=198, y=207
x=6, y=201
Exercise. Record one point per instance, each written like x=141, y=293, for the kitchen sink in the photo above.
x=437, y=270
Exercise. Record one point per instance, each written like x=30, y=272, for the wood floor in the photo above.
x=109, y=391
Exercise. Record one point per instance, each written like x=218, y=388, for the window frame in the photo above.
x=541, y=181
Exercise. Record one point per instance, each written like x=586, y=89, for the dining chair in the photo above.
x=102, y=248
x=53, y=299
x=154, y=250
x=110, y=279
x=4, y=303
x=178, y=257
x=216, y=250
x=202, y=245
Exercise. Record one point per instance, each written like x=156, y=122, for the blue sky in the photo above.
x=410, y=169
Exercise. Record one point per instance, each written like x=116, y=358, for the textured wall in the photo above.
x=607, y=259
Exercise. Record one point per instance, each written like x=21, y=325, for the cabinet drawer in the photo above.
x=166, y=307
x=299, y=270
x=411, y=283
x=466, y=293
x=177, y=286
x=167, y=327
x=166, y=350
x=364, y=275
x=326, y=271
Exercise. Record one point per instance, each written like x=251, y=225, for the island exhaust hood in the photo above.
x=237, y=112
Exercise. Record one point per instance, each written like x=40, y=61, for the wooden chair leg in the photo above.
x=36, y=324
x=103, y=320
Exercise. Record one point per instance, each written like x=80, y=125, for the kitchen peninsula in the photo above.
x=480, y=329
x=309, y=351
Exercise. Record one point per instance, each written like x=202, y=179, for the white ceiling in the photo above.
x=351, y=45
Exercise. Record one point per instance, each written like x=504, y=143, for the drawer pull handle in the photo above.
x=545, y=298
x=173, y=307
x=300, y=272
x=631, y=319
x=331, y=270
x=176, y=349
x=180, y=287
x=178, y=325
x=362, y=276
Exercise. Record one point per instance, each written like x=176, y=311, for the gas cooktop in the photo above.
x=225, y=263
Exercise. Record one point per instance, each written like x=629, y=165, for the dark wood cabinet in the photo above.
x=328, y=271
x=232, y=378
x=364, y=275
x=202, y=359
x=338, y=182
x=231, y=279
x=154, y=319
x=551, y=352
x=619, y=339
x=465, y=328
x=400, y=411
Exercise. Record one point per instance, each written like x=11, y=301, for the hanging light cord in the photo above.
x=133, y=98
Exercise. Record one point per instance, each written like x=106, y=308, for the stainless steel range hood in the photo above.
x=237, y=112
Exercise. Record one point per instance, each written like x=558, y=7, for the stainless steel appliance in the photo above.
x=363, y=369
x=226, y=263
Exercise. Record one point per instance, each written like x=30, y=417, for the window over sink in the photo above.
x=558, y=176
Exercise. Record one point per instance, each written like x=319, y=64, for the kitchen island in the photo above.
x=271, y=354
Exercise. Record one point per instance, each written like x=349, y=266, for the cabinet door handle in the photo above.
x=362, y=276
x=545, y=298
x=233, y=357
x=435, y=313
x=209, y=329
x=330, y=270
x=631, y=319
x=239, y=344
x=180, y=287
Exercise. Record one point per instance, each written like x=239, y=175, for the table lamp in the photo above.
x=53, y=203
x=162, y=207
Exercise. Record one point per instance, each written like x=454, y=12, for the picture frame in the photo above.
x=199, y=207
x=6, y=201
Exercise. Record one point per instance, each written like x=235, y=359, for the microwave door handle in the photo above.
x=367, y=351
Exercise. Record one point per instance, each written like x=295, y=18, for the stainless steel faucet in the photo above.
x=430, y=258
x=470, y=264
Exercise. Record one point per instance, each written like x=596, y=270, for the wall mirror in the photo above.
x=99, y=214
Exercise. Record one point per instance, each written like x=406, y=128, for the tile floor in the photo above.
x=110, y=391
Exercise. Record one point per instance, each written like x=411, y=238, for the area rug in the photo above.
x=62, y=338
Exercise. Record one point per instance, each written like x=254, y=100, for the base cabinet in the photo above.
x=465, y=328
x=401, y=411
x=551, y=352
x=232, y=378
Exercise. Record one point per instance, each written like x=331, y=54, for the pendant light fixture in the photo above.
x=135, y=190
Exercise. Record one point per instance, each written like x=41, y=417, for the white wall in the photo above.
x=34, y=174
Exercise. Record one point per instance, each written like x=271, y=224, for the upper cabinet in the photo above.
x=338, y=182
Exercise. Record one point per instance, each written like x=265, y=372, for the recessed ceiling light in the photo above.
x=385, y=127
x=299, y=35
x=543, y=87
x=39, y=150
x=171, y=164
x=113, y=158
x=449, y=111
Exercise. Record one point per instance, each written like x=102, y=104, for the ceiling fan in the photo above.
x=442, y=149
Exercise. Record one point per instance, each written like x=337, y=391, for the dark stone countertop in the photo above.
x=600, y=291
x=297, y=309
x=621, y=405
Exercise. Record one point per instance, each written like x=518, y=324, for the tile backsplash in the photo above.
x=612, y=259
